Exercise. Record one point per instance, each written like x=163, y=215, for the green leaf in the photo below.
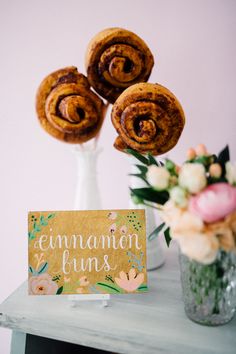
x=224, y=155
x=151, y=195
x=31, y=235
x=213, y=158
x=136, y=199
x=155, y=232
x=32, y=271
x=143, y=288
x=204, y=160
x=139, y=175
x=167, y=236
x=50, y=216
x=138, y=156
x=170, y=166
x=212, y=180
x=43, y=268
x=143, y=169
x=43, y=222
x=59, y=291
x=110, y=289
x=37, y=228
x=152, y=160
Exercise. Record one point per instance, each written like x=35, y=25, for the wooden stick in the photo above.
x=105, y=108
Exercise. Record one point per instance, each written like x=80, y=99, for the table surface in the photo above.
x=154, y=322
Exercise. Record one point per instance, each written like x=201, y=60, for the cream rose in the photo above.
x=192, y=176
x=158, y=177
x=179, y=196
x=42, y=285
x=230, y=172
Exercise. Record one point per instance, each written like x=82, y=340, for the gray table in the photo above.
x=154, y=322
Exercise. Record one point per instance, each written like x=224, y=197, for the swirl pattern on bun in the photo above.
x=116, y=59
x=148, y=118
x=66, y=107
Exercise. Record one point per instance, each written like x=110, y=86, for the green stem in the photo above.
x=151, y=205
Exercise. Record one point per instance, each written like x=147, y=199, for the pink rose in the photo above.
x=214, y=203
x=42, y=285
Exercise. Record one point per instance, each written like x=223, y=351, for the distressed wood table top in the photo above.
x=154, y=322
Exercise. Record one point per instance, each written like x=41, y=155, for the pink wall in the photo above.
x=195, y=50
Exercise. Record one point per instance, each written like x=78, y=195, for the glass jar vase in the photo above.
x=209, y=291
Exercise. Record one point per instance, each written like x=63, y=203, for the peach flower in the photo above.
x=215, y=170
x=201, y=150
x=131, y=281
x=179, y=219
x=112, y=215
x=189, y=230
x=225, y=231
x=83, y=281
x=200, y=246
x=231, y=221
x=112, y=228
x=42, y=285
x=191, y=154
x=123, y=229
x=214, y=202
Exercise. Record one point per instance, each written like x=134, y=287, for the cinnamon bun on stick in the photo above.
x=148, y=118
x=66, y=107
x=116, y=59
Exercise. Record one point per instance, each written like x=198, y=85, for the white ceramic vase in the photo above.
x=87, y=195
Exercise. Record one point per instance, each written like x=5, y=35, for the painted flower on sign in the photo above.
x=112, y=228
x=112, y=215
x=129, y=281
x=83, y=281
x=42, y=285
x=123, y=230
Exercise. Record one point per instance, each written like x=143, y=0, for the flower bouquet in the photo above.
x=197, y=203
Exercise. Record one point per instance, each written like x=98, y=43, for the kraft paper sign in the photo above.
x=84, y=252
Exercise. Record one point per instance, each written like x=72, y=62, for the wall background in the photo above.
x=195, y=50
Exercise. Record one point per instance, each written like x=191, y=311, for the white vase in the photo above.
x=155, y=254
x=87, y=195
